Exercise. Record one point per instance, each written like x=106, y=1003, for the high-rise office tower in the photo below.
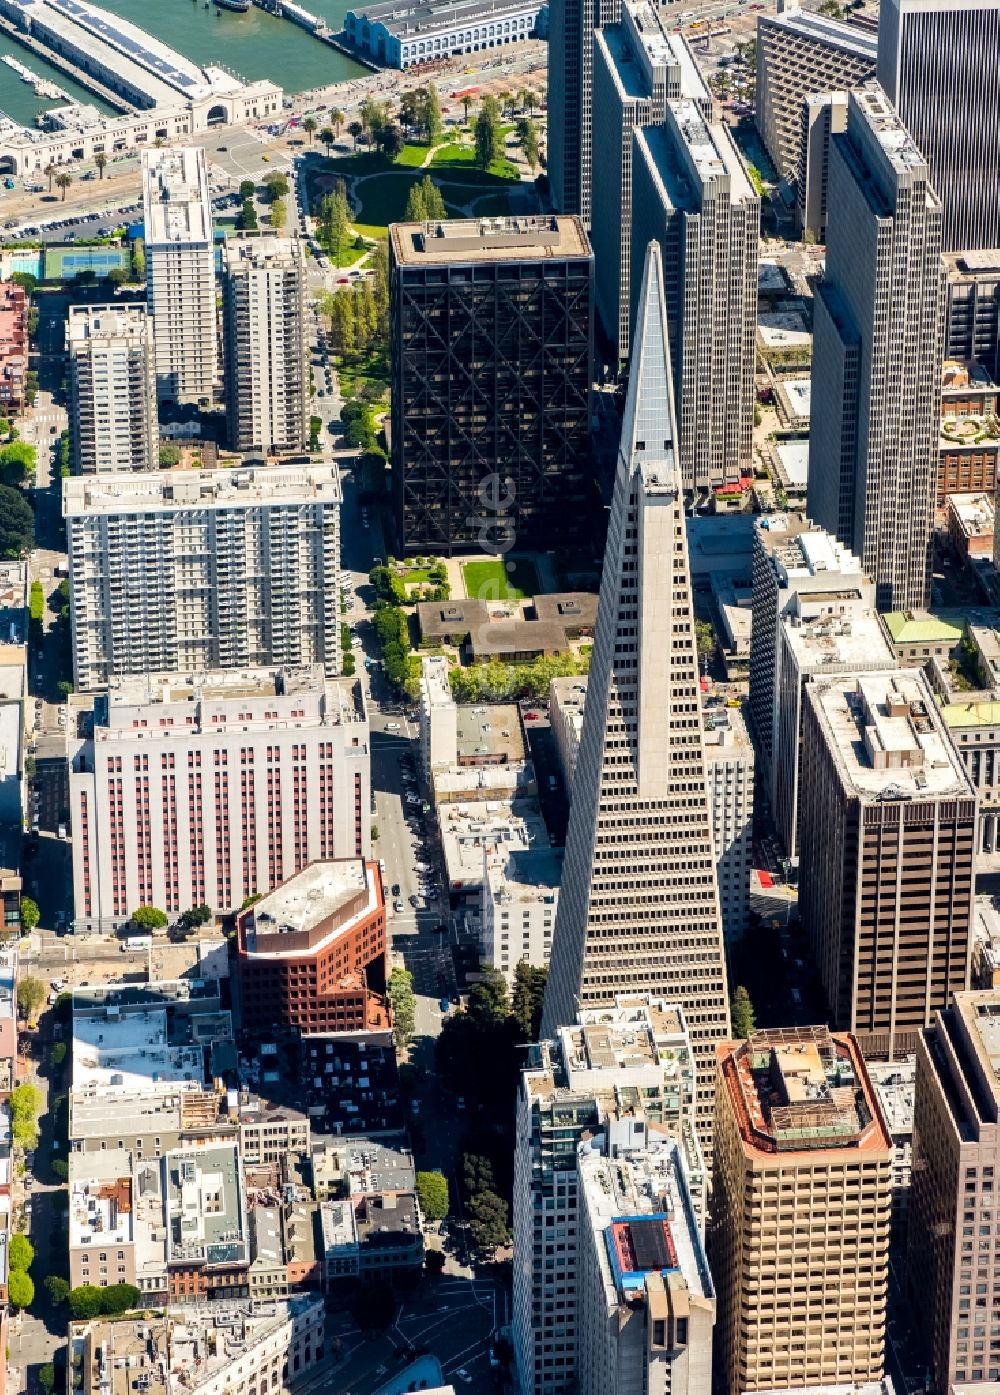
x=630, y=1060
x=570, y=84
x=638, y=66
x=823, y=115
x=112, y=394
x=263, y=279
x=186, y=570
x=954, y=1247
x=878, y=348
x=646, y=1305
x=639, y=903
x=691, y=192
x=180, y=272
x=799, y=54
x=798, y=1235
x=937, y=60
x=887, y=835
x=491, y=420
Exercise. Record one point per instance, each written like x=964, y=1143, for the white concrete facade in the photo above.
x=112, y=417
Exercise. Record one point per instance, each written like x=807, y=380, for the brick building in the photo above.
x=13, y=346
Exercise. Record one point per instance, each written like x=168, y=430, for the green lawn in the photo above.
x=412, y=156
x=454, y=154
x=499, y=581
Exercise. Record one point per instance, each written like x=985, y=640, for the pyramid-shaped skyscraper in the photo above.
x=639, y=902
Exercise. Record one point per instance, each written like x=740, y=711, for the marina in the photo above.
x=42, y=87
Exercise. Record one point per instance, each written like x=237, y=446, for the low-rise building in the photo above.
x=566, y=699
x=970, y=525
x=917, y=635
x=270, y=1132
x=13, y=347
x=228, y=1349
x=438, y=717
x=470, y=831
x=519, y=897
x=371, y=1236
x=311, y=953
x=402, y=35
x=360, y=1166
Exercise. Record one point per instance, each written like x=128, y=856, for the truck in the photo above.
x=137, y=942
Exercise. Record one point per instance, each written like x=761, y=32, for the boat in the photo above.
x=240, y=6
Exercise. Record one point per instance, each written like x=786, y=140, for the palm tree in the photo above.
x=530, y=99
x=50, y=170
x=327, y=137
x=466, y=103
x=64, y=180
x=505, y=97
x=336, y=120
x=309, y=125
x=356, y=130
x=100, y=160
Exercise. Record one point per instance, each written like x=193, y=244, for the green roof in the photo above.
x=925, y=629
x=971, y=714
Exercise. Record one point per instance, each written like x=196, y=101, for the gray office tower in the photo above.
x=938, y=62
x=571, y=73
x=638, y=67
x=639, y=902
x=691, y=192
x=877, y=353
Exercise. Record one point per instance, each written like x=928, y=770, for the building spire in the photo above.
x=649, y=431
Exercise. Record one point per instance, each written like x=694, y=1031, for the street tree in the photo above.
x=20, y=1253
x=356, y=131
x=742, y=1014
x=400, y=996
x=527, y=135
x=276, y=185
x=488, y=1222
x=529, y=991
x=327, y=138
x=63, y=180
x=101, y=161
x=487, y=133
x=20, y=1289
x=336, y=120
x=278, y=214
x=309, y=126
x=432, y=1193
x=57, y=1288
x=197, y=915
x=148, y=918
x=51, y=170
x=247, y=189
x=30, y=996
x=30, y=914
x=430, y=114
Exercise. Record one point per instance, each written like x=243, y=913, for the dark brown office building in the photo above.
x=311, y=953
x=492, y=338
x=886, y=855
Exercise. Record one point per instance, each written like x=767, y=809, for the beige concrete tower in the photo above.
x=639, y=904
x=799, y=1219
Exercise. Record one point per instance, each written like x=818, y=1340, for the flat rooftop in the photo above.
x=488, y=240
x=887, y=736
x=365, y=1165
x=921, y=627
x=687, y=153
x=435, y=687
x=638, y=1034
x=172, y=490
x=175, y=197
x=894, y=1083
x=320, y=892
x=89, y=323
x=205, y=1206
x=244, y=252
x=801, y=1089
x=638, y=1205
x=838, y=642
x=849, y=38
x=468, y=830
x=403, y=17
x=100, y=1198
x=974, y=513
x=527, y=877
x=898, y=146
x=130, y=1052
x=490, y=732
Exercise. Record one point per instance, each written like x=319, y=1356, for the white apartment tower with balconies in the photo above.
x=180, y=272
x=112, y=416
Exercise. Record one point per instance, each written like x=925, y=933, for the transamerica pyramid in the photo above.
x=639, y=901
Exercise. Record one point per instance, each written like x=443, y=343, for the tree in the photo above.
x=169, y=455
x=30, y=914
x=247, y=189
x=477, y=1174
x=489, y=1003
x=148, y=918
x=488, y=137
x=355, y=130
x=333, y=220
x=119, y=1298
x=390, y=139
x=63, y=180
x=409, y=108
x=276, y=186
x=466, y=104
x=47, y=1377
x=705, y=637
x=117, y=276
x=373, y=118
x=402, y=1004
x=431, y=115
x=17, y=462
x=432, y=1193
x=50, y=170
x=197, y=915
x=488, y=1222
x=741, y=1012
x=279, y=215
x=327, y=137
x=336, y=120
x=57, y=1288
x=434, y=1261
x=248, y=218
x=85, y=1302
x=309, y=125
x=20, y=1289
x=17, y=523
x=527, y=135
x=20, y=1253
x=139, y=259
x=58, y=1054
x=424, y=202
x=529, y=991
x=30, y=996
x=100, y=160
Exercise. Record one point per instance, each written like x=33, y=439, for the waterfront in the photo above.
x=255, y=45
